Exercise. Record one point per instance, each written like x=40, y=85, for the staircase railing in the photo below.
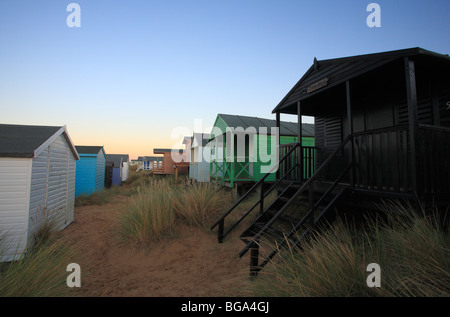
x=308, y=218
x=221, y=234
x=254, y=243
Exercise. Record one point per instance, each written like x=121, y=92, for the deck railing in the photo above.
x=308, y=158
x=382, y=160
x=433, y=159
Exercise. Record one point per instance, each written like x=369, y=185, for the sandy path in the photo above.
x=193, y=264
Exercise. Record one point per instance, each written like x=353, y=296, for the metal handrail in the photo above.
x=221, y=220
x=302, y=188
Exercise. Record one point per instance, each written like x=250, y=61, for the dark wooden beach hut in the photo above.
x=382, y=131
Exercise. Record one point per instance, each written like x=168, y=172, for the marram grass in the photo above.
x=157, y=207
x=412, y=250
x=196, y=203
x=39, y=272
x=150, y=216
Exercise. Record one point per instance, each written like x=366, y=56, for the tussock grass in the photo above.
x=195, y=203
x=140, y=178
x=150, y=215
x=157, y=207
x=41, y=271
x=412, y=250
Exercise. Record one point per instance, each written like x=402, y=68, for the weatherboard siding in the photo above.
x=199, y=167
x=14, y=202
x=52, y=187
x=100, y=172
x=90, y=174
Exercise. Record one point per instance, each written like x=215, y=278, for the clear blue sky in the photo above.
x=135, y=70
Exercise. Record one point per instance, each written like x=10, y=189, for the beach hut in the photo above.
x=200, y=158
x=152, y=162
x=90, y=176
x=172, y=159
x=37, y=183
x=243, y=149
x=115, y=161
x=148, y=163
x=125, y=166
x=382, y=123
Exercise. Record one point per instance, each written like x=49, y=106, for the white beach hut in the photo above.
x=37, y=183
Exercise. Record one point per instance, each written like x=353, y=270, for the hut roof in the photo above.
x=87, y=149
x=325, y=74
x=28, y=140
x=286, y=128
x=115, y=158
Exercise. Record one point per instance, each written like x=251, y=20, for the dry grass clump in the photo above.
x=157, y=206
x=412, y=250
x=195, y=203
x=41, y=270
x=150, y=215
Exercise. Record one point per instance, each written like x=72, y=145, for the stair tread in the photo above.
x=271, y=231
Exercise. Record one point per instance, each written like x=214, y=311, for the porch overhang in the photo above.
x=325, y=80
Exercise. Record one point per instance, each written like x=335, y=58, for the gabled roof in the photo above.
x=30, y=140
x=200, y=139
x=125, y=157
x=116, y=159
x=187, y=139
x=286, y=128
x=325, y=74
x=87, y=149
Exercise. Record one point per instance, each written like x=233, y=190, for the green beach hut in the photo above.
x=244, y=149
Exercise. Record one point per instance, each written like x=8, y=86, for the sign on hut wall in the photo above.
x=317, y=85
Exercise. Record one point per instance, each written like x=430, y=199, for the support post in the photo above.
x=261, y=199
x=300, y=138
x=350, y=131
x=413, y=122
x=254, y=258
x=278, y=124
x=224, y=159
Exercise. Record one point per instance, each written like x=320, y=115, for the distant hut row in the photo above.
x=239, y=150
x=41, y=173
x=97, y=170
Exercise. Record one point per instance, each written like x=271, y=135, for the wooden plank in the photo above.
x=278, y=124
x=300, y=138
x=364, y=161
x=411, y=98
x=350, y=129
x=370, y=156
x=396, y=162
x=379, y=170
x=406, y=167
